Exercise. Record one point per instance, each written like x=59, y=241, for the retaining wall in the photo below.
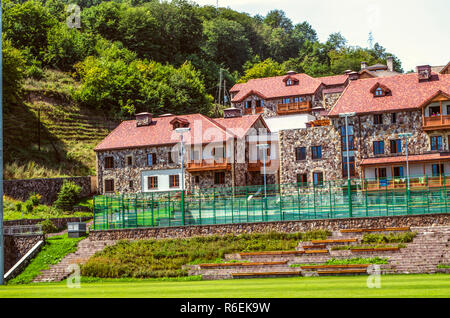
x=48, y=188
x=284, y=226
x=60, y=223
x=16, y=246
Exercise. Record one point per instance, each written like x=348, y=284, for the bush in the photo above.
x=18, y=206
x=35, y=198
x=67, y=196
x=48, y=226
x=29, y=206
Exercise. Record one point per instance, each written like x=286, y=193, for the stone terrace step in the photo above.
x=283, y=253
x=342, y=272
x=266, y=274
x=335, y=266
x=375, y=229
x=244, y=264
x=350, y=240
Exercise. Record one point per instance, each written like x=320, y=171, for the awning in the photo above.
x=424, y=158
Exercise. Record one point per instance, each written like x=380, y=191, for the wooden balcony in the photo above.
x=401, y=183
x=258, y=110
x=436, y=122
x=247, y=111
x=293, y=108
x=209, y=164
x=257, y=166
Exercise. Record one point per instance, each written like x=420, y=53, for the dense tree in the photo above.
x=278, y=19
x=266, y=68
x=13, y=73
x=225, y=43
x=27, y=24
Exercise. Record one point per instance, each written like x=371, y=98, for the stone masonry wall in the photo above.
x=60, y=223
x=285, y=226
x=17, y=246
x=48, y=188
x=325, y=136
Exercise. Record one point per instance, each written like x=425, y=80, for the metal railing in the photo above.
x=23, y=230
x=300, y=201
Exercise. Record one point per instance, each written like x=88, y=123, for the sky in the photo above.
x=416, y=31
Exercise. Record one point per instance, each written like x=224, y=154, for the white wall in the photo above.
x=414, y=170
x=163, y=179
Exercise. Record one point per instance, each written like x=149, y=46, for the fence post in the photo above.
x=93, y=211
x=386, y=199
x=214, y=205
x=281, y=200
x=349, y=191
x=445, y=195
x=314, y=198
x=298, y=199
x=428, y=195
x=168, y=210
x=331, y=205
x=246, y=200
x=200, y=207
x=122, y=206
x=365, y=199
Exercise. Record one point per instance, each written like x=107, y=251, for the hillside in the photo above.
x=68, y=132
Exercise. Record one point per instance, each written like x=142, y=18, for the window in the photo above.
x=316, y=152
x=219, y=178
x=248, y=104
x=436, y=142
x=394, y=118
x=396, y=146
x=169, y=157
x=130, y=184
x=109, y=185
x=434, y=111
x=302, y=179
x=218, y=153
x=379, y=92
x=378, y=147
x=380, y=173
x=350, y=138
x=398, y=172
x=174, y=181
x=318, y=178
x=152, y=182
x=378, y=119
x=109, y=162
x=129, y=161
x=351, y=161
x=197, y=179
x=258, y=103
x=151, y=159
x=289, y=82
x=300, y=153
x=437, y=169
x=195, y=155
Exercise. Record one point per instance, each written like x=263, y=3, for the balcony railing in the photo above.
x=293, y=108
x=208, y=164
x=401, y=183
x=258, y=110
x=257, y=166
x=434, y=122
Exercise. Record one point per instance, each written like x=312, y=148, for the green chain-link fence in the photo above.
x=382, y=197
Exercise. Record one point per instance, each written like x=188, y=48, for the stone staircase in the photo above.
x=86, y=248
x=429, y=248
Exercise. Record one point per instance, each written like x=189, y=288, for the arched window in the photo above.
x=379, y=92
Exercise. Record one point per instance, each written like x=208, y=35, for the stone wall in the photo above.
x=330, y=100
x=60, y=223
x=17, y=246
x=47, y=187
x=286, y=226
x=325, y=136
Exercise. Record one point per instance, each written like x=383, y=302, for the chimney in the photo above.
x=390, y=63
x=363, y=65
x=424, y=72
x=232, y=112
x=143, y=119
x=353, y=76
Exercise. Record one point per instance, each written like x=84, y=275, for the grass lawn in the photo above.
x=435, y=285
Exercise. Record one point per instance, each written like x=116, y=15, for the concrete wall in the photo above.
x=48, y=188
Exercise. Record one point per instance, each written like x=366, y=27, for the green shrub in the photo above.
x=35, y=198
x=18, y=206
x=48, y=226
x=29, y=206
x=68, y=196
x=405, y=237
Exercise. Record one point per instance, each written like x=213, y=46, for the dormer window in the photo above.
x=179, y=123
x=289, y=82
x=380, y=90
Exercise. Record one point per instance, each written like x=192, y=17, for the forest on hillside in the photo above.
x=162, y=56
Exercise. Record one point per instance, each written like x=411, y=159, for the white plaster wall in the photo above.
x=163, y=179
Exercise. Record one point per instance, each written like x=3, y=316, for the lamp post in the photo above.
x=349, y=192
x=264, y=148
x=181, y=131
x=406, y=136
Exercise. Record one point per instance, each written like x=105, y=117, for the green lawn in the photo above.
x=436, y=285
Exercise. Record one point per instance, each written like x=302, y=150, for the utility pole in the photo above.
x=2, y=251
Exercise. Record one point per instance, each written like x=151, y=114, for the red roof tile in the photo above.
x=160, y=132
x=407, y=93
x=402, y=159
x=273, y=87
x=334, y=80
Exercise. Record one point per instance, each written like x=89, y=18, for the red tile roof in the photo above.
x=274, y=87
x=407, y=93
x=402, y=159
x=334, y=80
x=160, y=132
